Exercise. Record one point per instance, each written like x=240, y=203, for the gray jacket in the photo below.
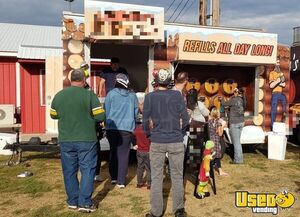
x=234, y=104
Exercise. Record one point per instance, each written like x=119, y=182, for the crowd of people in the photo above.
x=157, y=128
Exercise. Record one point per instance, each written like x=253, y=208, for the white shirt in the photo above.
x=200, y=112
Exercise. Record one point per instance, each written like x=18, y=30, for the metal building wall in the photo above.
x=8, y=81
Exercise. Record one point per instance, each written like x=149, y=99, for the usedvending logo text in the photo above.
x=264, y=202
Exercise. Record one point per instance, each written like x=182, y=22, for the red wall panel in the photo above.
x=7, y=81
x=32, y=111
x=95, y=75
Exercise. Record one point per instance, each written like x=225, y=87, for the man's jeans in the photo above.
x=157, y=160
x=276, y=97
x=83, y=156
x=235, y=134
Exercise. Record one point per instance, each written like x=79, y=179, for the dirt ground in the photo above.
x=43, y=194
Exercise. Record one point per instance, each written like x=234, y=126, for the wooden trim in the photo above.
x=30, y=61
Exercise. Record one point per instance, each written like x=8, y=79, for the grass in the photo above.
x=43, y=194
x=7, y=203
x=10, y=183
x=20, y=211
x=259, y=166
x=43, y=211
x=136, y=204
x=238, y=187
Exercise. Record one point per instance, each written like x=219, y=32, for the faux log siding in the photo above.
x=32, y=113
x=8, y=81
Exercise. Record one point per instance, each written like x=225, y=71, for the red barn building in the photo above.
x=23, y=53
x=23, y=50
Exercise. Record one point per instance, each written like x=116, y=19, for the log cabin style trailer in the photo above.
x=218, y=58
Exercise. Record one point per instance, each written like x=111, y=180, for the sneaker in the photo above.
x=87, y=209
x=120, y=186
x=72, y=206
x=113, y=181
x=180, y=213
x=98, y=178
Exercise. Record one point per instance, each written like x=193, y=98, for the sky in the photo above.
x=273, y=16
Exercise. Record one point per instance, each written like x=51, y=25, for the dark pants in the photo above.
x=217, y=163
x=143, y=163
x=79, y=156
x=119, y=142
x=98, y=168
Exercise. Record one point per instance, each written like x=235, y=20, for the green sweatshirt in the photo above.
x=78, y=111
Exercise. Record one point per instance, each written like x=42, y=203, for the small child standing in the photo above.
x=216, y=127
x=142, y=145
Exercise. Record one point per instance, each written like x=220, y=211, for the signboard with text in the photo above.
x=117, y=21
x=222, y=45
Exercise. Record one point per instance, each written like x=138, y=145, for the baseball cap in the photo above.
x=122, y=79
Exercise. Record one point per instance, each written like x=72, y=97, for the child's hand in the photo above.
x=135, y=147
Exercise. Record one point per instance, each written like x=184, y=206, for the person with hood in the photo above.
x=121, y=106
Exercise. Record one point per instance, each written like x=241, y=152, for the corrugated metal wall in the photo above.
x=32, y=110
x=7, y=81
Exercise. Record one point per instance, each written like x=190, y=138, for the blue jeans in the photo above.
x=276, y=97
x=75, y=156
x=235, y=134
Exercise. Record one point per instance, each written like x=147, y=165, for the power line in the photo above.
x=175, y=10
x=181, y=10
x=170, y=5
x=186, y=9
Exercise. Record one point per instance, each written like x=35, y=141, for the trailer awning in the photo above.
x=212, y=45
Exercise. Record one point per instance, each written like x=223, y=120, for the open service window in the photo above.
x=134, y=58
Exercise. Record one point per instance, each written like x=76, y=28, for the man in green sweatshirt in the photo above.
x=78, y=111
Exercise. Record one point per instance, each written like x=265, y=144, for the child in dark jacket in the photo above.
x=142, y=145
